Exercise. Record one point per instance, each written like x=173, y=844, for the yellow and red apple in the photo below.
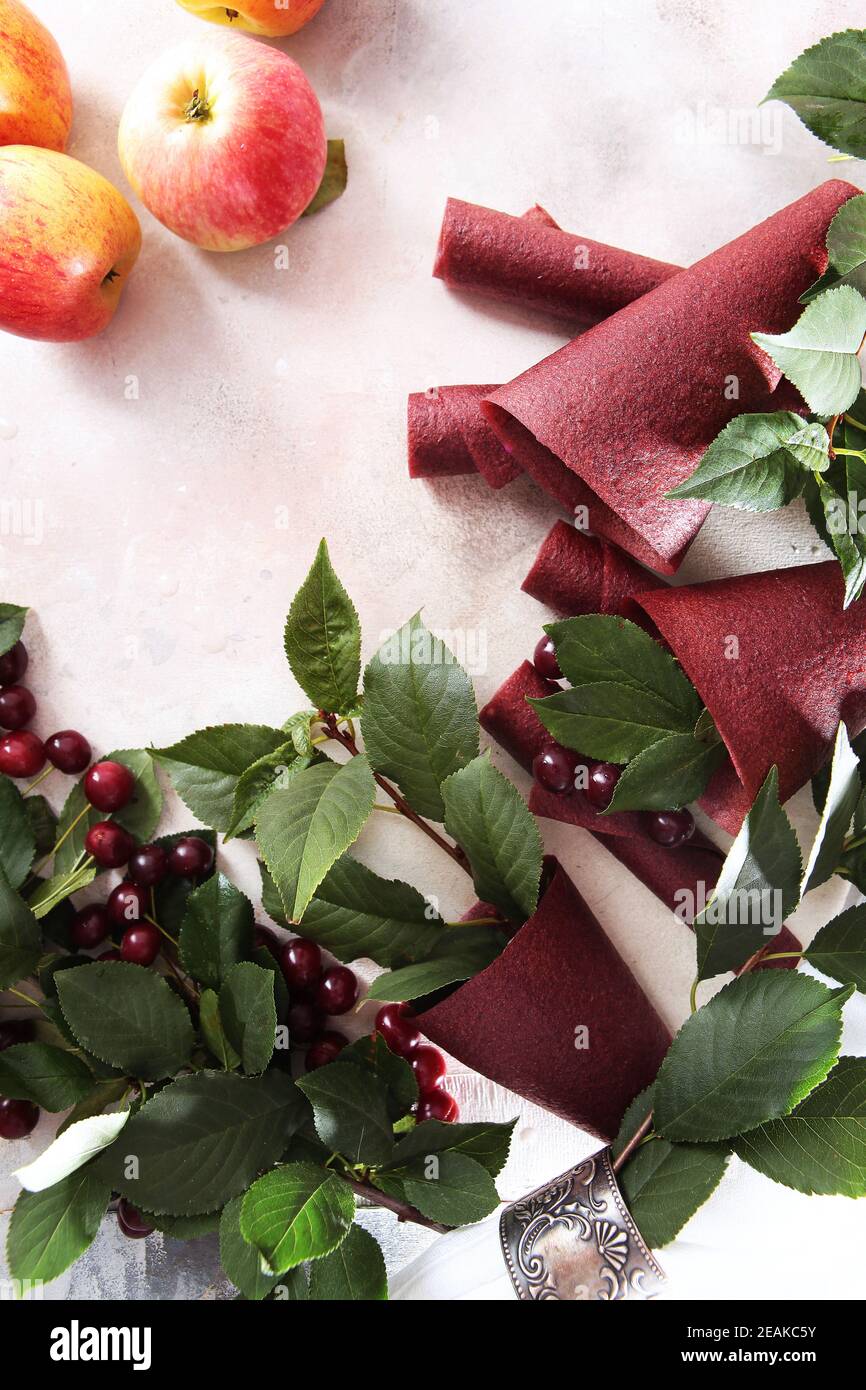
x=68, y=242
x=223, y=140
x=272, y=19
x=35, y=97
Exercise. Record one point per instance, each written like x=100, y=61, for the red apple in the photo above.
x=68, y=241
x=223, y=140
x=35, y=98
x=271, y=18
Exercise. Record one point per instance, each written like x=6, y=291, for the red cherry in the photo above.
x=437, y=1105
x=90, y=925
x=191, y=857
x=337, y=991
x=396, y=1023
x=131, y=1221
x=148, y=866
x=109, y=844
x=126, y=904
x=301, y=963
x=69, y=751
x=13, y=664
x=16, y=1030
x=601, y=784
x=111, y=954
x=17, y=706
x=429, y=1067
x=670, y=828
x=544, y=659
x=554, y=768
x=327, y=1049
x=305, y=1022
x=22, y=754
x=140, y=944
x=18, y=1118
x=108, y=786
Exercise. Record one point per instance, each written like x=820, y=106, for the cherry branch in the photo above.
x=401, y=1210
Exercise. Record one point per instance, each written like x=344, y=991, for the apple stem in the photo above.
x=198, y=108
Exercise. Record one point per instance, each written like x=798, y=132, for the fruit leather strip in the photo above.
x=527, y=261
x=515, y=1022
x=799, y=666
x=632, y=405
x=575, y=573
x=448, y=435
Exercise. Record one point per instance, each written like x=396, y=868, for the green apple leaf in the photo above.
x=826, y=87
x=356, y=913
x=249, y=1014
x=354, y=1272
x=334, y=179
x=759, y=462
x=350, y=1112
x=489, y=819
x=47, y=1076
x=204, y=768
x=819, y=354
x=295, y=1213
x=323, y=639
x=420, y=720
x=127, y=1017
x=50, y=1229
x=217, y=931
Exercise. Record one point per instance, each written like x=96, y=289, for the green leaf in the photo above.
x=74, y=1146
x=140, y=816
x=262, y=956
x=269, y=774
x=599, y=648
x=634, y=1117
x=295, y=1213
x=213, y=1033
x=846, y=248
x=43, y=823
x=46, y=1075
x=487, y=1143
x=750, y=1055
x=203, y=1139
x=356, y=913
x=354, y=1272
x=249, y=1014
x=839, y=948
x=758, y=887
x=759, y=462
x=103, y=1094
x=20, y=946
x=420, y=720
x=821, y=1145
x=127, y=1017
x=819, y=354
x=50, y=1229
x=448, y=1187
x=489, y=819
x=204, y=767
x=826, y=87
x=302, y=832
x=667, y=775
x=272, y=903
x=350, y=1112
x=323, y=639
x=11, y=625
x=48, y=895
x=184, y=1227
x=240, y=1260
x=664, y=1185
x=334, y=179
x=17, y=840
x=612, y=722
x=375, y=1057
x=217, y=931
x=849, y=548
x=842, y=796
x=414, y=981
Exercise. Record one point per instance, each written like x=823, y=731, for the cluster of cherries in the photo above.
x=555, y=770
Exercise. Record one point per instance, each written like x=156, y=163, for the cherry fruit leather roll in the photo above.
x=575, y=573
x=515, y=1022
x=631, y=405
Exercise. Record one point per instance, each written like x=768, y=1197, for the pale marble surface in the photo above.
x=164, y=536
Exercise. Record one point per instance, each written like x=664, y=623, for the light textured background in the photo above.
x=175, y=528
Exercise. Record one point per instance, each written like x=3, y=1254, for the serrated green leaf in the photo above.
x=759, y=462
x=374, y=1056
x=839, y=948
x=826, y=87
x=600, y=648
x=213, y=1033
x=758, y=887
x=849, y=548
x=302, y=832
x=11, y=625
x=487, y=1143
x=664, y=1185
x=356, y=913
x=43, y=823
x=127, y=1017
x=614, y=723
x=240, y=1260
x=217, y=931
x=634, y=1117
x=420, y=720
x=334, y=179
x=489, y=819
x=140, y=816
x=447, y=1187
x=354, y=1272
x=73, y=1147
x=844, y=792
x=249, y=1014
x=50, y=1229
x=669, y=774
x=184, y=1227
x=297, y=1212
x=204, y=767
x=17, y=840
x=103, y=1094
x=50, y=893
x=350, y=1112
x=48, y=1076
x=414, y=981
x=20, y=945
x=846, y=249
x=203, y=1139
x=821, y=1145
x=269, y=774
x=819, y=354
x=323, y=638
x=750, y=1055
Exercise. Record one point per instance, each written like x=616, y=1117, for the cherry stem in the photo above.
x=478, y=922
x=401, y=1210
x=28, y=999
x=63, y=838
x=46, y=772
